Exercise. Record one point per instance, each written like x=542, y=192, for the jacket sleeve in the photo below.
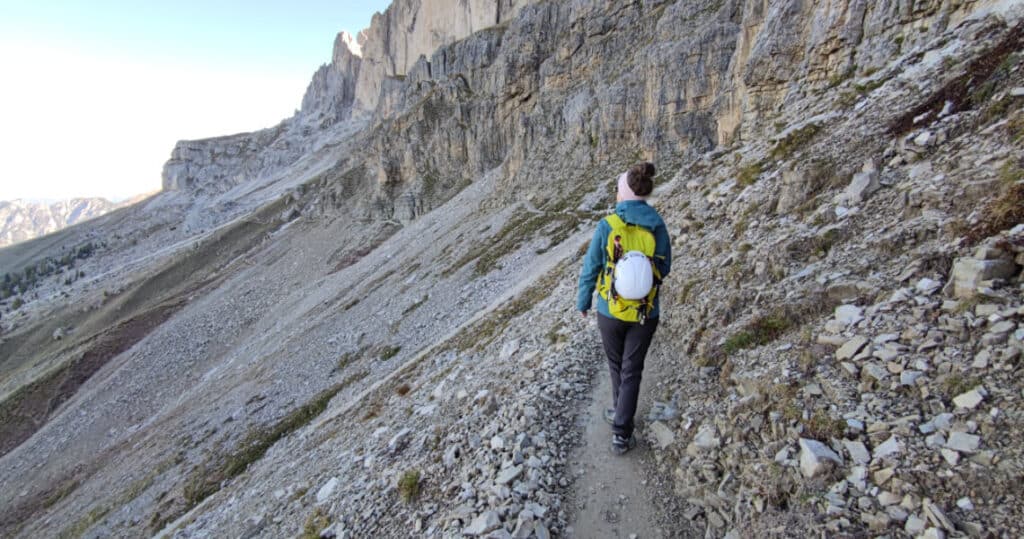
x=593, y=263
x=662, y=250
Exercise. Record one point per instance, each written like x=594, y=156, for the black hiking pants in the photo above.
x=625, y=344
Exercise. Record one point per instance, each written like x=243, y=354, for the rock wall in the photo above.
x=450, y=89
x=331, y=93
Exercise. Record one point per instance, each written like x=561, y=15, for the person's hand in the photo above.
x=583, y=314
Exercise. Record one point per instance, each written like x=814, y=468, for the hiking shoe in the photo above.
x=609, y=416
x=621, y=445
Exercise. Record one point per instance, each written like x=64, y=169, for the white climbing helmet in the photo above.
x=633, y=276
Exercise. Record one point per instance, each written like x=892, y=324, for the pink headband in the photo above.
x=625, y=193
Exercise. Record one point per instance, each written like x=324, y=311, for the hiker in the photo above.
x=627, y=259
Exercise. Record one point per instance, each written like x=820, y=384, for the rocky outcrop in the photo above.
x=364, y=79
x=331, y=93
x=22, y=220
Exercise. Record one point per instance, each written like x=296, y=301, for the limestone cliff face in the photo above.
x=447, y=88
x=331, y=93
x=409, y=29
x=363, y=73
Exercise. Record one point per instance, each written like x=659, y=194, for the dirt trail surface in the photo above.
x=612, y=497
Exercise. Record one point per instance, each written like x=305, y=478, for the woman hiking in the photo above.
x=628, y=257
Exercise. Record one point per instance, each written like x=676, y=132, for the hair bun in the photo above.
x=640, y=178
x=648, y=169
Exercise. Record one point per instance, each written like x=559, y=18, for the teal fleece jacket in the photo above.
x=636, y=212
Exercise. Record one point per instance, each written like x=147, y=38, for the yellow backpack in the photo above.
x=623, y=238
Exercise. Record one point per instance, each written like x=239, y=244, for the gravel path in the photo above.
x=611, y=496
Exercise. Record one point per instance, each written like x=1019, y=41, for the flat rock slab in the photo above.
x=850, y=348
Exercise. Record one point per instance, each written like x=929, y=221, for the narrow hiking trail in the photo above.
x=612, y=498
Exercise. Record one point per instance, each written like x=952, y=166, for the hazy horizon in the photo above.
x=96, y=96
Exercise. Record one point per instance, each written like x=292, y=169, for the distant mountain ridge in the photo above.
x=22, y=220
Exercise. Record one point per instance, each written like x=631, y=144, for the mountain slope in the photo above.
x=399, y=306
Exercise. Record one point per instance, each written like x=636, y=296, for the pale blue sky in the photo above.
x=96, y=93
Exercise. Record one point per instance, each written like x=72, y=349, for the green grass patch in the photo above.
x=83, y=524
x=59, y=493
x=1006, y=210
x=416, y=305
x=760, y=331
x=1015, y=127
x=519, y=229
x=389, y=352
x=684, y=293
x=956, y=383
x=409, y=485
x=794, y=141
x=315, y=523
x=822, y=426
x=749, y=174
x=206, y=479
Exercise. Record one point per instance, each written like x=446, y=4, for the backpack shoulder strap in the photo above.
x=615, y=221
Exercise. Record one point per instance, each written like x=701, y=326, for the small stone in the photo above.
x=1005, y=326
x=482, y=524
x=986, y=309
x=888, y=448
x=705, y=440
x=327, y=490
x=968, y=274
x=886, y=353
x=849, y=314
x=858, y=452
x=508, y=474
x=815, y=457
x=886, y=498
x=858, y=477
x=909, y=377
x=963, y=442
x=850, y=348
x=928, y=286
x=970, y=399
x=662, y=434
x=936, y=516
x=923, y=139
x=965, y=504
x=915, y=525
x=882, y=476
x=831, y=340
x=497, y=443
x=874, y=372
x=981, y=360
x=950, y=456
x=876, y=521
x=943, y=421
x=886, y=338
x=399, y=440
x=509, y=349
